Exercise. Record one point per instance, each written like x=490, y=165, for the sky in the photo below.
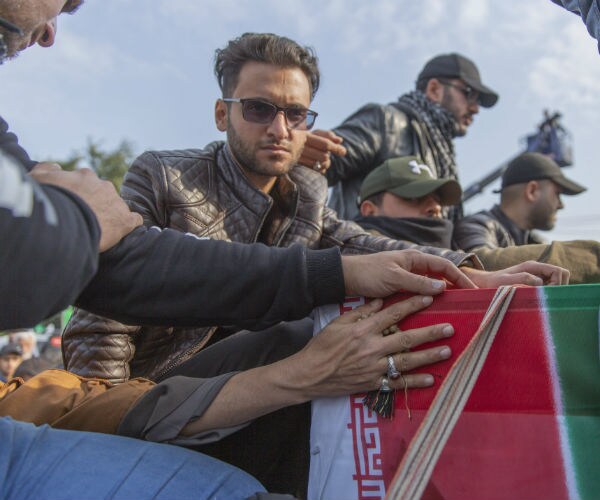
x=121, y=72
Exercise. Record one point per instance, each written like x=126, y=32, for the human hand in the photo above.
x=383, y=273
x=350, y=354
x=527, y=273
x=319, y=146
x=113, y=215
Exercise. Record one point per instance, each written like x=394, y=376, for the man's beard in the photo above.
x=13, y=42
x=447, y=103
x=246, y=155
x=542, y=218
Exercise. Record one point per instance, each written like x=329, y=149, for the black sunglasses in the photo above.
x=264, y=112
x=471, y=95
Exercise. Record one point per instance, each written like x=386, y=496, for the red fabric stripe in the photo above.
x=506, y=442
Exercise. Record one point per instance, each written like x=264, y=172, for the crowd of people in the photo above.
x=24, y=357
x=154, y=354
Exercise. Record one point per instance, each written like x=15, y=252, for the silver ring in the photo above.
x=385, y=385
x=317, y=166
x=392, y=371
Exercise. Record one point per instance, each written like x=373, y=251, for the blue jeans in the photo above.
x=46, y=463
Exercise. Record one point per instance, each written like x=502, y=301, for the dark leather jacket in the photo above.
x=373, y=134
x=491, y=229
x=205, y=193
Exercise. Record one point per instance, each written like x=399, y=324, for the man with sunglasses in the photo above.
x=151, y=276
x=424, y=123
x=245, y=190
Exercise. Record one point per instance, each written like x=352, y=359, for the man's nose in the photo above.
x=474, y=107
x=49, y=34
x=433, y=208
x=279, y=127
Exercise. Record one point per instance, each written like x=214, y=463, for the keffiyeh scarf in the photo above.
x=441, y=128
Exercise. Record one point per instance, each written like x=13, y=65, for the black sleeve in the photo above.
x=589, y=10
x=49, y=248
x=363, y=135
x=166, y=277
x=476, y=232
x=10, y=145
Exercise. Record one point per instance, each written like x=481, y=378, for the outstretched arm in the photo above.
x=348, y=356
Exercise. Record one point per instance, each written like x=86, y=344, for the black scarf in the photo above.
x=420, y=230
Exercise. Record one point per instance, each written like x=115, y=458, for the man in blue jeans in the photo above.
x=41, y=462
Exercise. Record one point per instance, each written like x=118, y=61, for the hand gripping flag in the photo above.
x=529, y=428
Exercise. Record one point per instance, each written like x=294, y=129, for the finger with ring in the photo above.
x=317, y=166
x=390, y=330
x=365, y=316
x=392, y=371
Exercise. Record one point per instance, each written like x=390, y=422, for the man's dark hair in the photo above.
x=71, y=6
x=266, y=48
x=376, y=199
x=422, y=83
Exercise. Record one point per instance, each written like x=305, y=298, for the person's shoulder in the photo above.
x=484, y=220
x=309, y=182
x=178, y=159
x=3, y=125
x=391, y=108
x=375, y=117
x=369, y=109
x=174, y=155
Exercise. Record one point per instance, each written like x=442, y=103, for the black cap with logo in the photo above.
x=458, y=66
x=536, y=166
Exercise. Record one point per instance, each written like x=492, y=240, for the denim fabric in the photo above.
x=589, y=10
x=46, y=463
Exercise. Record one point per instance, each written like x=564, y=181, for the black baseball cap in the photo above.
x=408, y=177
x=536, y=166
x=11, y=348
x=457, y=66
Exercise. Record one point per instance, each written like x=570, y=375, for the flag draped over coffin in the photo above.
x=530, y=429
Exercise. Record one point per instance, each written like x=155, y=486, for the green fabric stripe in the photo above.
x=573, y=319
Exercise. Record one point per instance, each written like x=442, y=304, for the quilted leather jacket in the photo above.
x=373, y=134
x=491, y=229
x=204, y=192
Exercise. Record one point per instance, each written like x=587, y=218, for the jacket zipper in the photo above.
x=194, y=349
x=262, y=221
x=181, y=358
x=290, y=219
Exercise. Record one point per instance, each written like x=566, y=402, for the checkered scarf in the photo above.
x=441, y=127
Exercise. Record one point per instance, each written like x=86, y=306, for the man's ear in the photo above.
x=434, y=90
x=367, y=208
x=221, y=115
x=532, y=190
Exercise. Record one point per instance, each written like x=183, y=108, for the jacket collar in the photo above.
x=284, y=193
x=520, y=236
